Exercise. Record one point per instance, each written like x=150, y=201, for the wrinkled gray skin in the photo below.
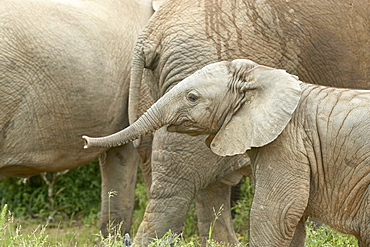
x=308, y=144
x=325, y=42
x=64, y=72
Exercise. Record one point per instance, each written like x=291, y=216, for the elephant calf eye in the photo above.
x=192, y=97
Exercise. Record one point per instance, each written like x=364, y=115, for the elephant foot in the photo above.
x=115, y=227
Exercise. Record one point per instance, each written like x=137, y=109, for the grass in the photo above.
x=32, y=225
x=32, y=233
x=77, y=233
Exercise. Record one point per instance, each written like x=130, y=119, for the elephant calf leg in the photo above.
x=278, y=205
x=299, y=234
x=118, y=170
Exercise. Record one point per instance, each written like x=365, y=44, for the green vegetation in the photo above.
x=325, y=236
x=73, y=194
x=69, y=215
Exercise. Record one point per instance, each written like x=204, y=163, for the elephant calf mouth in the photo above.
x=186, y=127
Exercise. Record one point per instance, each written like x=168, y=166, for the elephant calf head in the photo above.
x=240, y=104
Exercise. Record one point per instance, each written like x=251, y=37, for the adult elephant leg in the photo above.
x=181, y=166
x=215, y=198
x=118, y=171
x=145, y=152
x=171, y=191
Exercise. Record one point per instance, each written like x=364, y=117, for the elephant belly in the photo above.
x=30, y=163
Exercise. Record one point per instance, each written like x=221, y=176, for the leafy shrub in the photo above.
x=76, y=192
x=325, y=236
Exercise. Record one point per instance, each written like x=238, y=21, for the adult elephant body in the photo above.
x=324, y=42
x=64, y=72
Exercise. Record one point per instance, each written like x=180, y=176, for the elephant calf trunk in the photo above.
x=87, y=142
x=147, y=123
x=97, y=142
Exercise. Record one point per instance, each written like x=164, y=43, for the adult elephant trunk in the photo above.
x=152, y=120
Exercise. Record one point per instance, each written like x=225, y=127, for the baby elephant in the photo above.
x=309, y=145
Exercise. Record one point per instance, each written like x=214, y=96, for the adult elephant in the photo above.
x=323, y=42
x=64, y=72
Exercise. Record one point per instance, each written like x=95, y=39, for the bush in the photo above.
x=75, y=193
x=325, y=236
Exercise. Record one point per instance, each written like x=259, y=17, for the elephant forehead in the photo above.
x=210, y=75
x=206, y=83
x=217, y=69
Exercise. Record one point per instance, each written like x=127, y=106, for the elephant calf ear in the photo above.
x=157, y=4
x=259, y=121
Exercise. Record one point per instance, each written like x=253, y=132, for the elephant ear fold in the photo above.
x=270, y=96
x=157, y=4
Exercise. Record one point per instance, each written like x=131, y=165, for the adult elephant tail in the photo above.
x=137, y=68
x=137, y=90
